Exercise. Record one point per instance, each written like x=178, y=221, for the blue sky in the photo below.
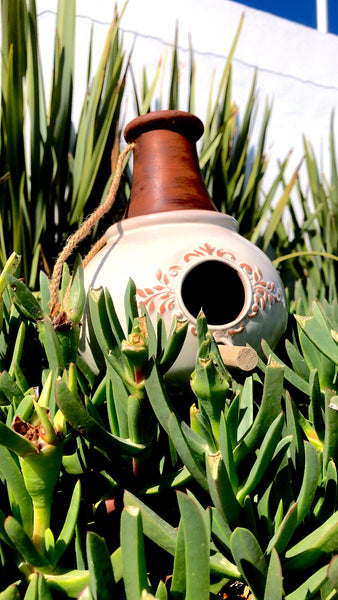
x=301, y=11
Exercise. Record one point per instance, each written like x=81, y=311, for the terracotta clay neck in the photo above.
x=166, y=172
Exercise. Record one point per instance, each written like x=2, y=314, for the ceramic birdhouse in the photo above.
x=182, y=254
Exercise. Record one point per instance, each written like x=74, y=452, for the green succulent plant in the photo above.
x=251, y=473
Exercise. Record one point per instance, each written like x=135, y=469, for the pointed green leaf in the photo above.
x=327, y=504
x=221, y=490
x=70, y=583
x=52, y=345
x=298, y=362
x=285, y=531
x=178, y=582
x=330, y=450
x=79, y=418
x=10, y=593
x=290, y=374
x=190, y=458
x=133, y=554
x=263, y=459
x=274, y=581
x=77, y=295
x=10, y=388
x=105, y=337
x=154, y=527
x=24, y=300
x=310, y=482
x=317, y=544
x=102, y=583
x=25, y=546
x=158, y=396
x=196, y=548
x=161, y=592
x=319, y=334
x=250, y=560
x=130, y=304
x=332, y=572
x=38, y=588
x=312, y=585
x=68, y=528
x=175, y=341
x=16, y=442
x=269, y=409
x=21, y=504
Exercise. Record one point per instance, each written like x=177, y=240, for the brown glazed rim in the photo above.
x=173, y=120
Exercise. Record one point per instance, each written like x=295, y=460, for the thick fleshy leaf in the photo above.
x=318, y=331
x=70, y=583
x=10, y=593
x=68, y=528
x=250, y=560
x=21, y=503
x=130, y=304
x=178, y=583
x=102, y=583
x=316, y=404
x=10, y=388
x=77, y=295
x=293, y=428
x=175, y=341
x=77, y=415
x=269, y=409
x=263, y=459
x=18, y=347
x=161, y=591
x=196, y=549
x=52, y=345
x=326, y=505
x=330, y=450
x=25, y=546
x=193, y=461
x=320, y=542
x=117, y=403
x=274, y=581
x=298, y=362
x=133, y=554
x=38, y=588
x=106, y=341
x=312, y=585
x=290, y=374
x=221, y=490
x=332, y=572
x=24, y=300
x=158, y=396
x=16, y=442
x=284, y=532
x=310, y=482
x=154, y=527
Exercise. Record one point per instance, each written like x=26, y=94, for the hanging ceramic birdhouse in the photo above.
x=182, y=254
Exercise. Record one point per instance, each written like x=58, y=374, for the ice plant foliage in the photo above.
x=233, y=479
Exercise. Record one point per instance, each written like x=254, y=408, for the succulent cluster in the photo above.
x=120, y=484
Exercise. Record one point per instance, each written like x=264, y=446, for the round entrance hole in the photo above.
x=217, y=289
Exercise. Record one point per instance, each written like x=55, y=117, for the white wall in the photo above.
x=296, y=65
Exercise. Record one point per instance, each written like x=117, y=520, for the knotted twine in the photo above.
x=83, y=231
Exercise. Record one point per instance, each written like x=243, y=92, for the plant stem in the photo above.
x=41, y=522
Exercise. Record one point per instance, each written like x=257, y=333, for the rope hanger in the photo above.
x=84, y=230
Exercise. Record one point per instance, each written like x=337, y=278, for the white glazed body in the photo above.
x=158, y=251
